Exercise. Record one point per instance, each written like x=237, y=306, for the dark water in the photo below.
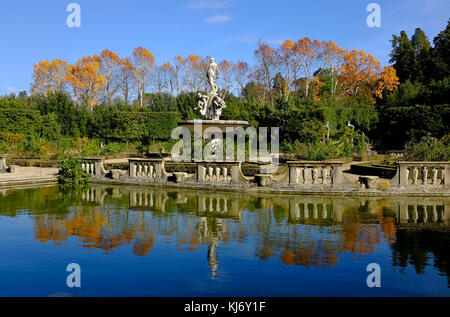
x=164, y=242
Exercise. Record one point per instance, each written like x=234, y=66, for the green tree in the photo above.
x=422, y=55
x=441, y=54
x=402, y=56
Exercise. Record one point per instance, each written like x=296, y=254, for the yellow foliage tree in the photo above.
x=49, y=77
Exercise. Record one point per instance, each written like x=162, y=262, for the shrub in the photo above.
x=429, y=149
x=71, y=171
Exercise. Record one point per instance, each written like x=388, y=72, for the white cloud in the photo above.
x=275, y=41
x=204, y=5
x=244, y=38
x=218, y=19
x=12, y=89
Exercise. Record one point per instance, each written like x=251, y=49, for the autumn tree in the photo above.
x=144, y=64
x=265, y=68
x=86, y=80
x=126, y=78
x=240, y=75
x=49, y=77
x=359, y=70
x=388, y=81
x=195, y=73
x=308, y=55
x=164, y=78
x=226, y=75
x=178, y=70
x=109, y=68
x=333, y=57
x=362, y=71
x=289, y=65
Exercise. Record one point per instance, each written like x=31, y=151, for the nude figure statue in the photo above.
x=213, y=74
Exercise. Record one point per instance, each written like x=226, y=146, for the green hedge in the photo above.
x=107, y=123
x=25, y=122
x=111, y=124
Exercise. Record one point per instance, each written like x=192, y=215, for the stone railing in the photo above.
x=3, y=166
x=422, y=174
x=220, y=172
x=148, y=168
x=94, y=166
x=312, y=173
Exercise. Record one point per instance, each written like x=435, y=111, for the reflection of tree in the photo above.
x=299, y=230
x=320, y=253
x=415, y=247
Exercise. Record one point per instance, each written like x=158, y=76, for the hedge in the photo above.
x=25, y=122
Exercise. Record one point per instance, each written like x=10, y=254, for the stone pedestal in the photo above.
x=263, y=180
x=115, y=174
x=179, y=176
x=14, y=169
x=370, y=182
x=3, y=166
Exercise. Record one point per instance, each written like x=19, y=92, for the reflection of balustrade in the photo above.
x=149, y=169
x=3, y=166
x=220, y=205
x=307, y=209
x=431, y=211
x=309, y=173
x=96, y=195
x=422, y=174
x=94, y=166
x=156, y=200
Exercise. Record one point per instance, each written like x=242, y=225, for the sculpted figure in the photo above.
x=212, y=74
x=211, y=105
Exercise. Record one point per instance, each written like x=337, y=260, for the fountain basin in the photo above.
x=223, y=125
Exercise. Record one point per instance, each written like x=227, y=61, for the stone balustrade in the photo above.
x=94, y=166
x=3, y=166
x=220, y=172
x=148, y=168
x=312, y=172
x=422, y=174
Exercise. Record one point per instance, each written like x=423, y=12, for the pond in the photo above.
x=143, y=241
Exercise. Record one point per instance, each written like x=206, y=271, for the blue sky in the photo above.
x=34, y=30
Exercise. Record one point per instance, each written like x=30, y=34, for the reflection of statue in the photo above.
x=211, y=105
x=212, y=73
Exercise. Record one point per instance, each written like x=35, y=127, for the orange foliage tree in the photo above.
x=49, y=77
x=126, y=78
x=86, y=80
x=144, y=64
x=109, y=66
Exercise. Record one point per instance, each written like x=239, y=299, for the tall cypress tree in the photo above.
x=402, y=56
x=440, y=54
x=422, y=54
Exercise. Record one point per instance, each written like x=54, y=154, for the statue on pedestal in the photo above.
x=211, y=105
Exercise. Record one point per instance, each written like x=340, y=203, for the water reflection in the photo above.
x=298, y=230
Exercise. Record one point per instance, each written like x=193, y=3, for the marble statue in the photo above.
x=213, y=74
x=211, y=105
